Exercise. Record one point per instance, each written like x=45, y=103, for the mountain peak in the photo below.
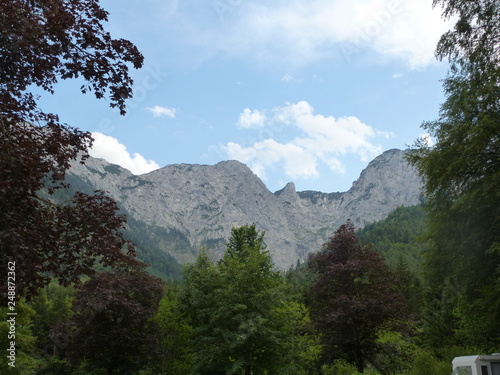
x=234, y=167
x=231, y=164
x=287, y=190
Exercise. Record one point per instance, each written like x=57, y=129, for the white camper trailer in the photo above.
x=477, y=365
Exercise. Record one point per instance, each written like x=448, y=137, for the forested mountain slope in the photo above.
x=399, y=237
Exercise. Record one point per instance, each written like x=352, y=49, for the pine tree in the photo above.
x=236, y=308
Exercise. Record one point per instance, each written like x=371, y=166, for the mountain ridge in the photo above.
x=203, y=202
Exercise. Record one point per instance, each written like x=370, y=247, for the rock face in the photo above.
x=203, y=202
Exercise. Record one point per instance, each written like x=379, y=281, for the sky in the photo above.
x=303, y=91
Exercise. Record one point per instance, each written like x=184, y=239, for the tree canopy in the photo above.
x=462, y=174
x=236, y=308
x=111, y=327
x=354, y=296
x=42, y=42
x=474, y=42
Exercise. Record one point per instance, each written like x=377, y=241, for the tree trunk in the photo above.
x=248, y=367
x=360, y=363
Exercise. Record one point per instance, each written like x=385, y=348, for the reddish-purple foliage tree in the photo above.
x=112, y=325
x=42, y=41
x=353, y=297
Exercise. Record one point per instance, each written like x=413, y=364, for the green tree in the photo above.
x=201, y=280
x=52, y=306
x=400, y=239
x=236, y=309
x=42, y=42
x=353, y=297
x=462, y=174
x=475, y=38
x=301, y=349
x=175, y=334
x=16, y=338
x=111, y=327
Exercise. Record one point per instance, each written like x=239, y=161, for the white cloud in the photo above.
x=326, y=134
x=303, y=31
x=296, y=161
x=320, y=140
x=427, y=139
x=111, y=150
x=159, y=111
x=251, y=119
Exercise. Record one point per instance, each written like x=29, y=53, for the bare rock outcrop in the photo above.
x=205, y=201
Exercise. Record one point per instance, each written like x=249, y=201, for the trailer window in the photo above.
x=463, y=370
x=484, y=370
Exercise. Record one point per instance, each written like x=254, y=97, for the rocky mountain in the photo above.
x=185, y=206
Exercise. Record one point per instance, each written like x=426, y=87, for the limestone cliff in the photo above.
x=203, y=202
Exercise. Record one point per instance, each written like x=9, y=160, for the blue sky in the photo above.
x=307, y=91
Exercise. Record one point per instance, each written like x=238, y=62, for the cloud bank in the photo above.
x=318, y=139
x=303, y=31
x=111, y=150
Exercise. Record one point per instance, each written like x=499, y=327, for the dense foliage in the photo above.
x=42, y=42
x=399, y=237
x=111, y=326
x=353, y=298
x=237, y=315
x=237, y=309
x=462, y=174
